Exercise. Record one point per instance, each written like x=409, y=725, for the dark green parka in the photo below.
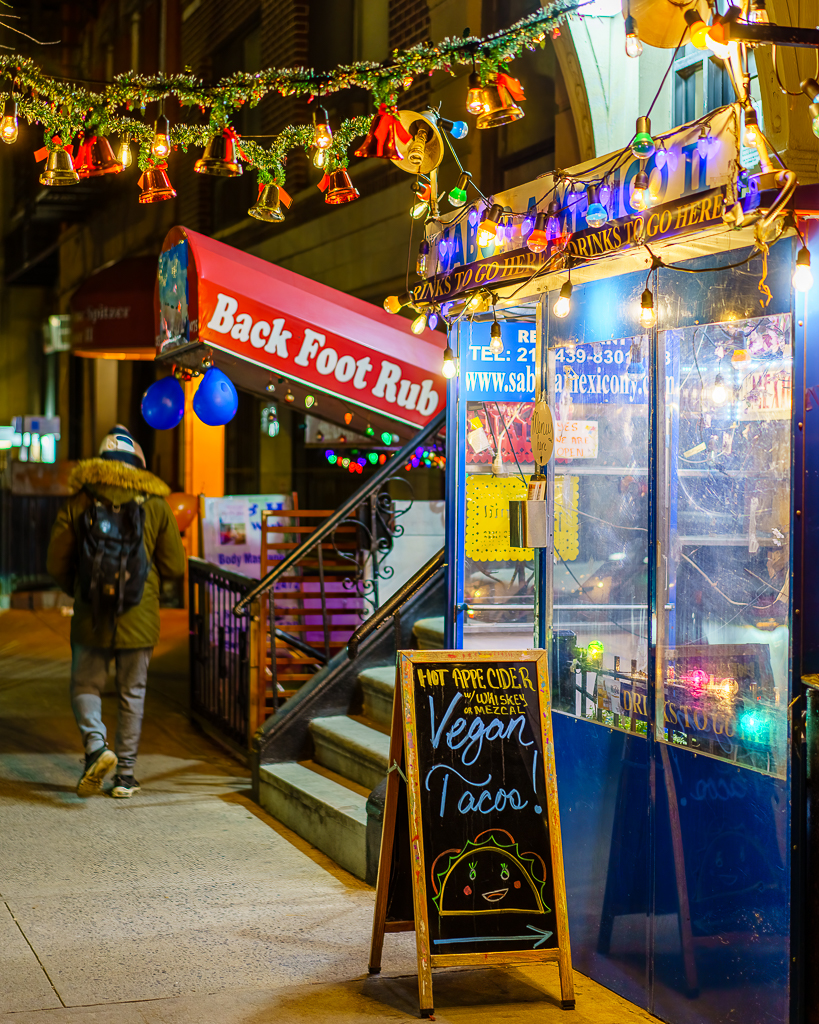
x=116, y=483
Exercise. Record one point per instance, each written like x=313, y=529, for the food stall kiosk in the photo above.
x=668, y=568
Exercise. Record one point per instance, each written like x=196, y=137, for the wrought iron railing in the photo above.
x=326, y=553
x=223, y=655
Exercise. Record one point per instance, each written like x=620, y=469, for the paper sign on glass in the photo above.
x=576, y=439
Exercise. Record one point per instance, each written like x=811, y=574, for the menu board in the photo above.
x=486, y=864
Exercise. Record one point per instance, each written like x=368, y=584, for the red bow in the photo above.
x=41, y=154
x=511, y=85
x=325, y=181
x=231, y=133
x=382, y=122
x=85, y=151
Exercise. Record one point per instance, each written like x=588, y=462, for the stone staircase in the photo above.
x=328, y=800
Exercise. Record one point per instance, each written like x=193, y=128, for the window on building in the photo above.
x=701, y=84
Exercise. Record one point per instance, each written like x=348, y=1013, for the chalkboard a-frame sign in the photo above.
x=483, y=858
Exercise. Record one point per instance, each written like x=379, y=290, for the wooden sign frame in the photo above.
x=403, y=744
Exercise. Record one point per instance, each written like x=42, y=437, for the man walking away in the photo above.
x=111, y=545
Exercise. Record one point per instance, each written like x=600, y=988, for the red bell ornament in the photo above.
x=155, y=186
x=380, y=140
x=338, y=187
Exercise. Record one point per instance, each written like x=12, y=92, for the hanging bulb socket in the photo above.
x=538, y=237
x=751, y=135
x=564, y=301
x=474, y=95
x=9, y=126
x=596, y=214
x=393, y=303
x=458, y=196
x=697, y=29
x=421, y=263
x=495, y=339
x=488, y=227
x=643, y=145
x=322, y=132
x=633, y=45
x=639, y=191
x=161, y=146
x=553, y=221
x=647, y=315
x=449, y=367
x=802, y=276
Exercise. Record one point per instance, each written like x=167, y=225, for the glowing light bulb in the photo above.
x=488, y=227
x=647, y=315
x=596, y=214
x=124, y=155
x=715, y=38
x=322, y=132
x=8, y=126
x=320, y=158
x=643, y=145
x=161, y=145
x=633, y=45
x=703, y=142
x=697, y=29
x=553, y=221
x=432, y=321
x=660, y=156
x=719, y=392
x=639, y=191
x=474, y=95
x=802, y=277
x=751, y=135
x=604, y=192
x=448, y=368
x=538, y=238
x=496, y=342
x=419, y=324
x=393, y=303
x=457, y=196
x=564, y=301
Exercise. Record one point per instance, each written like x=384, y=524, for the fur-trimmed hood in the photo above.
x=113, y=473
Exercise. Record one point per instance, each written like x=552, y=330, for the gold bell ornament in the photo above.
x=219, y=157
x=59, y=169
x=95, y=157
x=380, y=139
x=499, y=106
x=155, y=185
x=338, y=187
x=268, y=206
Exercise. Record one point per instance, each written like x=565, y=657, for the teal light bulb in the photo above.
x=457, y=196
x=596, y=215
x=643, y=145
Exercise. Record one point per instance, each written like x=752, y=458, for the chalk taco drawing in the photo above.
x=489, y=875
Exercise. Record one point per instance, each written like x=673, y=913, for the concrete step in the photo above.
x=327, y=814
x=378, y=686
x=351, y=748
x=429, y=633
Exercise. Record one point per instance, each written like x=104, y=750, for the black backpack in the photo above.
x=113, y=564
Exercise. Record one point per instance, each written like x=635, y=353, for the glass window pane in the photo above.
x=724, y=507
x=600, y=610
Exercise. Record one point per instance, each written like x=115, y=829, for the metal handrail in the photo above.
x=331, y=522
x=300, y=645
x=398, y=599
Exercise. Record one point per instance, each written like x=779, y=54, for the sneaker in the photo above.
x=124, y=786
x=97, y=765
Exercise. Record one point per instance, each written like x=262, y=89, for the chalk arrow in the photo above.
x=540, y=938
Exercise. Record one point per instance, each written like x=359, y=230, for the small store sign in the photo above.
x=576, y=439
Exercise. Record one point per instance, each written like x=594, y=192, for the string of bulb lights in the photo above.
x=541, y=228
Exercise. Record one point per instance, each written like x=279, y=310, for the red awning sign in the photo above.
x=289, y=325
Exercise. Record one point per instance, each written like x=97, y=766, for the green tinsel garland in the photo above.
x=66, y=111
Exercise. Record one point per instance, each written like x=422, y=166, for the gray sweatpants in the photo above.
x=89, y=672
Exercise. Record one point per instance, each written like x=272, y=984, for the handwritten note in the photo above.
x=576, y=439
x=543, y=433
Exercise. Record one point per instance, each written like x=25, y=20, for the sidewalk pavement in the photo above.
x=188, y=904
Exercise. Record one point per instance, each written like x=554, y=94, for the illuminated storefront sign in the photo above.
x=211, y=294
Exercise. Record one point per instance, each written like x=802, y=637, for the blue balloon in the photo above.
x=215, y=401
x=163, y=404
